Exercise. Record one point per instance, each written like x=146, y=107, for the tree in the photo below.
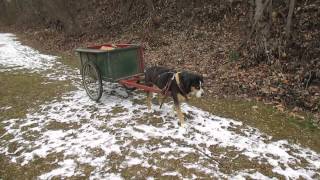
x=266, y=34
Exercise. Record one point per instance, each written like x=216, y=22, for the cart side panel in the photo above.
x=102, y=64
x=125, y=63
x=100, y=60
x=83, y=58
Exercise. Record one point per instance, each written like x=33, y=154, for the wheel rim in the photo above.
x=92, y=81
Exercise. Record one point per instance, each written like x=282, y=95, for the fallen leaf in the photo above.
x=296, y=109
x=273, y=89
x=296, y=115
x=280, y=107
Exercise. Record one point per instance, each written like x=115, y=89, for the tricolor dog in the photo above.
x=174, y=83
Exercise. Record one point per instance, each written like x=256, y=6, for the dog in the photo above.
x=174, y=83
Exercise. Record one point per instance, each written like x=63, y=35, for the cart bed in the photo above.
x=125, y=60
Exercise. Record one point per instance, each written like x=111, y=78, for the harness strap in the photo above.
x=165, y=90
x=179, y=85
x=177, y=78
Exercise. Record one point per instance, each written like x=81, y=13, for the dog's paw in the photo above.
x=151, y=110
x=181, y=124
x=188, y=116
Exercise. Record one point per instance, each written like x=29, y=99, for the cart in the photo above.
x=118, y=63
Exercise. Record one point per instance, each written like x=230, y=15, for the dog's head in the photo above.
x=193, y=84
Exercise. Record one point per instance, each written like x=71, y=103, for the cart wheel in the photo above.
x=91, y=80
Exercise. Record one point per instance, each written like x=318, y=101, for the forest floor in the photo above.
x=273, y=130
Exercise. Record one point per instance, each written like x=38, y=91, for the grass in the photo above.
x=267, y=119
x=24, y=92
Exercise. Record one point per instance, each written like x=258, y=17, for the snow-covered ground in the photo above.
x=118, y=138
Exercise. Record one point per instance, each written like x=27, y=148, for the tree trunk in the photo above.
x=59, y=10
x=150, y=6
x=126, y=13
x=289, y=18
x=3, y=12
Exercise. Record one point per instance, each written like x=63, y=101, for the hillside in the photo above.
x=240, y=52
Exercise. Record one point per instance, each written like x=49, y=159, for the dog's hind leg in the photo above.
x=161, y=98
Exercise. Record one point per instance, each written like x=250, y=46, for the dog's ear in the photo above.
x=201, y=78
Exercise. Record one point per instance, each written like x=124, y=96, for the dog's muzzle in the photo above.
x=199, y=93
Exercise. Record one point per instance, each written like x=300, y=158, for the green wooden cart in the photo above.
x=122, y=63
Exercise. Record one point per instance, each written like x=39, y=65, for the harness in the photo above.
x=165, y=90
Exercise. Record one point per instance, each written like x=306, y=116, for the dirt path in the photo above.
x=71, y=136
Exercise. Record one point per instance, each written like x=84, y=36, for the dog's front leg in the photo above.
x=181, y=98
x=180, y=115
x=149, y=101
x=178, y=109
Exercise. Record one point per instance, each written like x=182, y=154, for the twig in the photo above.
x=309, y=79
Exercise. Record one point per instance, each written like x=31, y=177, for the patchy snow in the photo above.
x=67, y=168
x=5, y=108
x=172, y=173
x=15, y=56
x=255, y=175
x=120, y=133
